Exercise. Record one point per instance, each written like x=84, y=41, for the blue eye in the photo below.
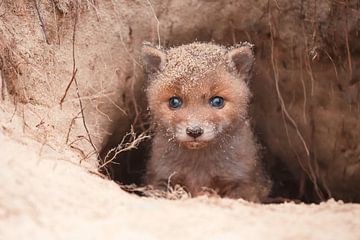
x=217, y=102
x=175, y=102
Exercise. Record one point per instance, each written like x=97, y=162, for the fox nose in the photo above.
x=194, y=131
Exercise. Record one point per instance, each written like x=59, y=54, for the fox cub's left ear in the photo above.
x=154, y=59
x=241, y=58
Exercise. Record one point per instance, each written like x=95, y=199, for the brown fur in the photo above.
x=225, y=158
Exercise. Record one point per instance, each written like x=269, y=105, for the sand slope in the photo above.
x=46, y=195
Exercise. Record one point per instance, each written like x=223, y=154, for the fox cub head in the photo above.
x=198, y=93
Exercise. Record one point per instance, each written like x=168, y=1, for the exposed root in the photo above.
x=304, y=88
x=285, y=113
x=169, y=181
x=2, y=78
x=68, y=86
x=128, y=142
x=280, y=98
x=346, y=35
x=41, y=21
x=82, y=153
x=72, y=122
x=335, y=68
x=97, y=174
x=157, y=23
x=92, y=4
x=77, y=87
x=308, y=64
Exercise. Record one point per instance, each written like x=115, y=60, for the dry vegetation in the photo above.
x=72, y=90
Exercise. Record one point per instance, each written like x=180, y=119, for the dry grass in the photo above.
x=130, y=141
x=173, y=193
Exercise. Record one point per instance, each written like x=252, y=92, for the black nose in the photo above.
x=194, y=131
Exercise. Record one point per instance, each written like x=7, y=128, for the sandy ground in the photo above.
x=46, y=195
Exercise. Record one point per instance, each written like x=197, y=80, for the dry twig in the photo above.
x=41, y=21
x=346, y=33
x=125, y=145
x=280, y=98
x=73, y=79
x=285, y=113
x=157, y=22
x=2, y=78
x=70, y=127
x=174, y=193
x=68, y=86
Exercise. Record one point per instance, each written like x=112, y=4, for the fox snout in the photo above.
x=196, y=135
x=194, y=131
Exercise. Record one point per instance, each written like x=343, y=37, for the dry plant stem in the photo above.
x=293, y=149
x=91, y=98
x=304, y=88
x=41, y=21
x=2, y=78
x=326, y=187
x=312, y=162
x=157, y=23
x=123, y=147
x=307, y=62
x=169, y=188
x=176, y=193
x=277, y=4
x=281, y=100
x=116, y=105
x=347, y=41
x=102, y=113
x=286, y=113
x=97, y=174
x=70, y=127
x=314, y=165
x=77, y=87
x=80, y=151
x=314, y=22
x=95, y=9
x=77, y=139
x=68, y=86
x=301, y=188
x=335, y=68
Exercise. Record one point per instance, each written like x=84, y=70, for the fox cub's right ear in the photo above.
x=154, y=59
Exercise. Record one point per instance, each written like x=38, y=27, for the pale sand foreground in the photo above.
x=45, y=196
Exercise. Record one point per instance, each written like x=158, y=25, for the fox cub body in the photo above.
x=198, y=98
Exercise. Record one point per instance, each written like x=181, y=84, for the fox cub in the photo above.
x=198, y=98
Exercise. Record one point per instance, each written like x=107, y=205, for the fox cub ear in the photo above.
x=241, y=58
x=154, y=59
